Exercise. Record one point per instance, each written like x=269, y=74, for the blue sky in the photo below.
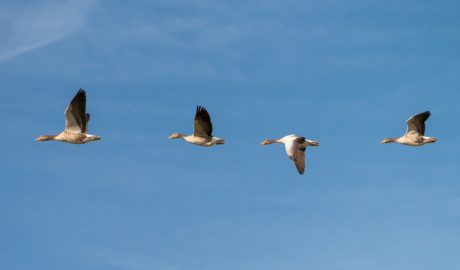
x=344, y=73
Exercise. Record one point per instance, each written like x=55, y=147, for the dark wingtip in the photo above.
x=200, y=108
x=427, y=114
x=301, y=172
x=81, y=93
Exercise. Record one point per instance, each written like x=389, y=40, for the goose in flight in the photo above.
x=202, y=132
x=76, y=124
x=295, y=149
x=415, y=134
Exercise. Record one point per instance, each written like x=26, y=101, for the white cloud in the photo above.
x=35, y=25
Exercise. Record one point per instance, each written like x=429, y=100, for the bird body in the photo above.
x=415, y=134
x=295, y=147
x=77, y=120
x=68, y=137
x=202, y=132
x=201, y=141
x=414, y=140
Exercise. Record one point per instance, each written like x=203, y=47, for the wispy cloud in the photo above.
x=131, y=262
x=27, y=27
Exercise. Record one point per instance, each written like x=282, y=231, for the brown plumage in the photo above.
x=295, y=147
x=417, y=122
x=76, y=126
x=297, y=154
x=415, y=134
x=76, y=117
x=202, y=130
x=202, y=123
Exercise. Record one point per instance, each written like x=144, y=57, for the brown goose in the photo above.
x=415, y=134
x=202, y=133
x=76, y=123
x=295, y=148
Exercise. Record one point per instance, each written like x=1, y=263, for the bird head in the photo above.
x=265, y=142
x=175, y=136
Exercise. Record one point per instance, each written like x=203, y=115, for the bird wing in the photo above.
x=88, y=116
x=299, y=161
x=202, y=123
x=295, y=150
x=417, y=123
x=75, y=114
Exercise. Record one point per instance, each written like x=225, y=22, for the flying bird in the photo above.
x=415, y=134
x=76, y=126
x=295, y=148
x=202, y=132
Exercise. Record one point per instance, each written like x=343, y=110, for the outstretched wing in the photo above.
x=417, y=123
x=299, y=160
x=75, y=114
x=296, y=152
x=202, y=123
x=88, y=116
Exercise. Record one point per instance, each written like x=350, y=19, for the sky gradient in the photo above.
x=344, y=73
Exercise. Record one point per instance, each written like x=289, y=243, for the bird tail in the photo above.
x=220, y=141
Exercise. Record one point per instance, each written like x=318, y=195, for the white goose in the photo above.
x=295, y=149
x=76, y=124
x=415, y=134
x=202, y=132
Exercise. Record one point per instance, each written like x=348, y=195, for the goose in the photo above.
x=202, y=132
x=295, y=148
x=76, y=124
x=415, y=134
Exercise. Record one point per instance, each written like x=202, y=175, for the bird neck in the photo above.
x=46, y=137
x=270, y=141
x=390, y=140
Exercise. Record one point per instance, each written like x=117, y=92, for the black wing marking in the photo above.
x=75, y=114
x=417, y=122
x=297, y=154
x=202, y=123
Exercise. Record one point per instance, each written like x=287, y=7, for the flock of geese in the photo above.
x=76, y=132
